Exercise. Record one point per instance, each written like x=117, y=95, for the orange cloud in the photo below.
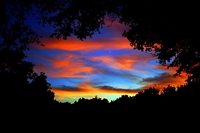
x=172, y=70
x=73, y=65
x=86, y=45
x=87, y=89
x=165, y=79
x=68, y=65
x=130, y=62
x=119, y=63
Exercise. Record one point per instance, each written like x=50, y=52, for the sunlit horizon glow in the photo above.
x=105, y=65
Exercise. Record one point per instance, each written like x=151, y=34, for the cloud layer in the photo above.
x=106, y=66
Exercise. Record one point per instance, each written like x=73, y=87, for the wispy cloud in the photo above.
x=124, y=61
x=89, y=45
x=64, y=65
x=162, y=80
x=87, y=89
x=120, y=63
x=104, y=65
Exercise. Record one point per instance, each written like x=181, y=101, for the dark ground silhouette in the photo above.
x=173, y=109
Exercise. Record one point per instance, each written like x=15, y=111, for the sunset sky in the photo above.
x=105, y=65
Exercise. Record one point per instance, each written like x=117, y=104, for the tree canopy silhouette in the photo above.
x=169, y=28
x=40, y=90
x=15, y=72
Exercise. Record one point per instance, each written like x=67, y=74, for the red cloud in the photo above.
x=165, y=79
x=68, y=65
x=120, y=63
x=87, y=45
x=125, y=61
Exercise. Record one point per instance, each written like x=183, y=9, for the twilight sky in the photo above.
x=105, y=65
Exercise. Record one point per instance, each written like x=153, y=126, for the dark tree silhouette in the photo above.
x=148, y=93
x=15, y=37
x=93, y=102
x=169, y=28
x=124, y=100
x=40, y=90
x=148, y=99
x=170, y=24
x=169, y=91
x=14, y=75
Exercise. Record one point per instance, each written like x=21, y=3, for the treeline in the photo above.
x=28, y=101
x=172, y=109
x=169, y=109
x=168, y=95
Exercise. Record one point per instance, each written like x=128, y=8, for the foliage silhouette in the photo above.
x=175, y=31
x=15, y=76
x=95, y=102
x=40, y=90
x=147, y=93
x=15, y=38
x=165, y=22
x=123, y=102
